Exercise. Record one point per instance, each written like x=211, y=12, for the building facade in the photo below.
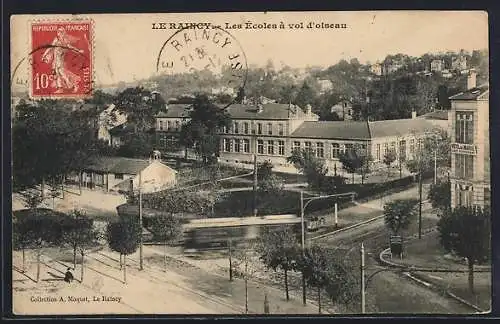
x=437, y=65
x=470, y=151
x=273, y=131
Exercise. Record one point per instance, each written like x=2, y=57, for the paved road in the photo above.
x=388, y=291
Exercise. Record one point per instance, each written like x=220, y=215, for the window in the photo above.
x=320, y=152
x=260, y=146
x=237, y=145
x=226, y=129
x=178, y=125
x=245, y=128
x=270, y=129
x=280, y=129
x=160, y=124
x=169, y=125
x=246, y=146
x=163, y=140
x=386, y=149
x=227, y=145
x=236, y=127
x=393, y=147
x=270, y=147
x=119, y=176
x=335, y=150
x=464, y=129
x=281, y=147
x=412, y=147
x=463, y=195
x=402, y=150
x=259, y=128
x=487, y=197
x=296, y=146
x=348, y=147
x=464, y=166
x=378, y=152
x=308, y=146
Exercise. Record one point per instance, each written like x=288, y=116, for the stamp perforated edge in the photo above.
x=92, y=56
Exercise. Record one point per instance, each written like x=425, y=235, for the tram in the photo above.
x=215, y=233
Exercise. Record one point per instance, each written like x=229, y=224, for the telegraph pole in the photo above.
x=303, y=244
x=255, y=177
x=420, y=204
x=362, y=279
x=140, y=222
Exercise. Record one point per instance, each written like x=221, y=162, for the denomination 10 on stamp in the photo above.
x=61, y=59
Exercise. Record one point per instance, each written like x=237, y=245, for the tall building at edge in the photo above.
x=470, y=146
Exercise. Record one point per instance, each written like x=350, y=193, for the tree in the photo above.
x=50, y=140
x=398, y=214
x=278, y=249
x=314, y=265
x=166, y=228
x=440, y=195
x=305, y=96
x=313, y=168
x=268, y=182
x=245, y=266
x=79, y=233
x=389, y=158
x=123, y=237
x=42, y=228
x=23, y=236
x=206, y=121
x=240, y=95
x=466, y=231
x=356, y=159
x=140, y=105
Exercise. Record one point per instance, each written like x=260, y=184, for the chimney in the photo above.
x=471, y=79
x=413, y=114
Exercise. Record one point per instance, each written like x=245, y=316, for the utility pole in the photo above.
x=362, y=279
x=255, y=174
x=420, y=204
x=140, y=222
x=435, y=165
x=303, y=244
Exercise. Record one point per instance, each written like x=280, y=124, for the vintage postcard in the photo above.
x=251, y=163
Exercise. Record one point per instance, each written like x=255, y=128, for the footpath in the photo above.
x=425, y=262
x=177, y=289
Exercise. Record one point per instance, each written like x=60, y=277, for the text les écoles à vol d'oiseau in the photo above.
x=251, y=25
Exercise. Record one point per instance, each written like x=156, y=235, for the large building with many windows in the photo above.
x=272, y=131
x=470, y=151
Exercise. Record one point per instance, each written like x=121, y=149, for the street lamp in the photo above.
x=140, y=219
x=302, y=209
x=366, y=281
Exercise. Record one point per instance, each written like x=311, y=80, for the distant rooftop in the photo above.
x=332, y=130
x=114, y=164
x=473, y=94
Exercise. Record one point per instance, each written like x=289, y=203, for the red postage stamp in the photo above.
x=61, y=59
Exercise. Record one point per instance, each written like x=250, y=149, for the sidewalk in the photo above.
x=179, y=290
x=428, y=261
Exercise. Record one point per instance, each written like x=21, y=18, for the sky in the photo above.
x=126, y=48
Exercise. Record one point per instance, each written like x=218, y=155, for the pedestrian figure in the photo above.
x=68, y=277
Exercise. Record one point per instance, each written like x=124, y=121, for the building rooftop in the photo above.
x=332, y=130
x=399, y=127
x=115, y=164
x=473, y=94
x=270, y=111
x=436, y=115
x=122, y=129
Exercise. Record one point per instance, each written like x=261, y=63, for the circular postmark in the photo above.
x=193, y=50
